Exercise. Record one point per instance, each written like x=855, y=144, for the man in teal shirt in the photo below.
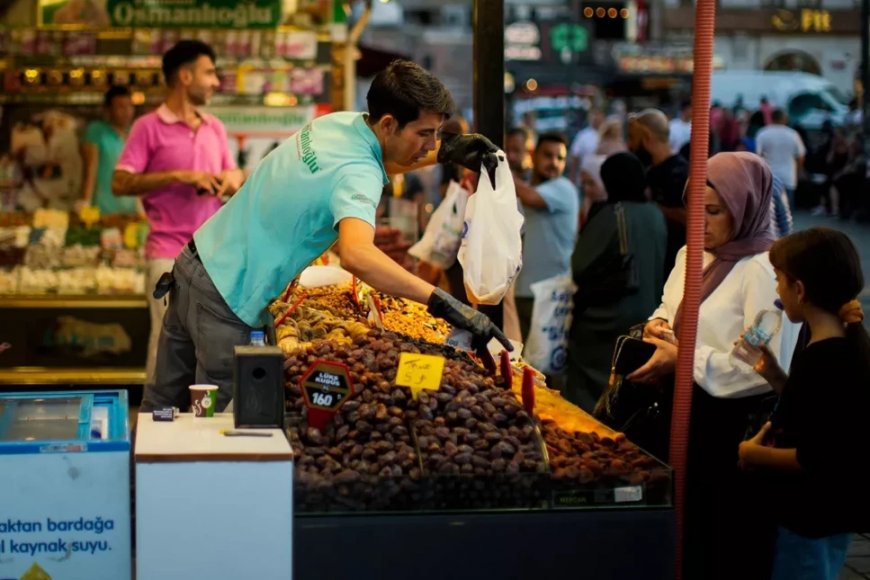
x=320, y=186
x=101, y=146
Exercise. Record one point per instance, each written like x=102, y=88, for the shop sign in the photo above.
x=254, y=121
x=326, y=386
x=566, y=37
x=662, y=61
x=547, y=41
x=807, y=20
x=195, y=13
x=522, y=33
x=159, y=13
x=41, y=539
x=655, y=64
x=567, y=40
x=522, y=41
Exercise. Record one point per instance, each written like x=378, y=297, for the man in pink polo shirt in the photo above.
x=178, y=160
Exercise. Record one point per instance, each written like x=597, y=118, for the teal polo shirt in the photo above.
x=287, y=212
x=109, y=144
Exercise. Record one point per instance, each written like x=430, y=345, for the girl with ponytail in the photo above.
x=814, y=448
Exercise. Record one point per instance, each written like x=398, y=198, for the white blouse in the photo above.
x=748, y=289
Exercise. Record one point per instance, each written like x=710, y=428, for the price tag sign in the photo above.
x=507, y=372
x=528, y=390
x=627, y=494
x=89, y=215
x=325, y=387
x=131, y=236
x=419, y=371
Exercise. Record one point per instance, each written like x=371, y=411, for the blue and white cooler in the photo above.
x=64, y=486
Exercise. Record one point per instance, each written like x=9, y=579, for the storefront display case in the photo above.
x=73, y=340
x=72, y=298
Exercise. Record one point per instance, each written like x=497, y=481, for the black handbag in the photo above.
x=613, y=275
x=641, y=412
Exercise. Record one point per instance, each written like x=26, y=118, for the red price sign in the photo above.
x=325, y=386
x=507, y=372
x=528, y=391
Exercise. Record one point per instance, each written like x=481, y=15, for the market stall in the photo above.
x=72, y=286
x=405, y=444
x=72, y=298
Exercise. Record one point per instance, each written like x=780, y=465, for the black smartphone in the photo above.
x=631, y=354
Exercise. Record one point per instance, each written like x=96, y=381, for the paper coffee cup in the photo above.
x=203, y=399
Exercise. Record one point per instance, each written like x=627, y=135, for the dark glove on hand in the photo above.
x=469, y=151
x=443, y=305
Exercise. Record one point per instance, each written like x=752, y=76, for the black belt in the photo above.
x=191, y=245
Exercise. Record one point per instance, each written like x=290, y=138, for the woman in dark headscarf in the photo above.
x=738, y=283
x=613, y=292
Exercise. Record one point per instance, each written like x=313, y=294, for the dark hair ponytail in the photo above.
x=828, y=265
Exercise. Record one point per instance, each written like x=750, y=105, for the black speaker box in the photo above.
x=258, y=387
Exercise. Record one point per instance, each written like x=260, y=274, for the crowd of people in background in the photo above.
x=561, y=187
x=614, y=195
x=606, y=208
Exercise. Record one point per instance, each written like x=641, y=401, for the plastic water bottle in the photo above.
x=258, y=338
x=765, y=327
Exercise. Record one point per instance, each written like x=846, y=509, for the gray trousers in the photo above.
x=196, y=341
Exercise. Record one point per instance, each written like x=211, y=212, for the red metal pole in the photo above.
x=705, y=20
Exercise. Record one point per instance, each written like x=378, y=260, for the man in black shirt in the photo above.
x=648, y=138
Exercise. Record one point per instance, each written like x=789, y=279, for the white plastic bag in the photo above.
x=440, y=242
x=546, y=346
x=491, y=252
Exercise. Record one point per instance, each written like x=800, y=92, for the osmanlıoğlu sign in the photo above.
x=162, y=13
x=254, y=120
x=198, y=13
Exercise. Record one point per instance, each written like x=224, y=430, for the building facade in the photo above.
x=822, y=37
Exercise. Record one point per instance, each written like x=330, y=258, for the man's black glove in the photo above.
x=443, y=305
x=469, y=151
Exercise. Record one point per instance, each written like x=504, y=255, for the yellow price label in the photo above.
x=419, y=371
x=89, y=215
x=131, y=236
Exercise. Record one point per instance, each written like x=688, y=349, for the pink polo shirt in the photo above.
x=158, y=142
